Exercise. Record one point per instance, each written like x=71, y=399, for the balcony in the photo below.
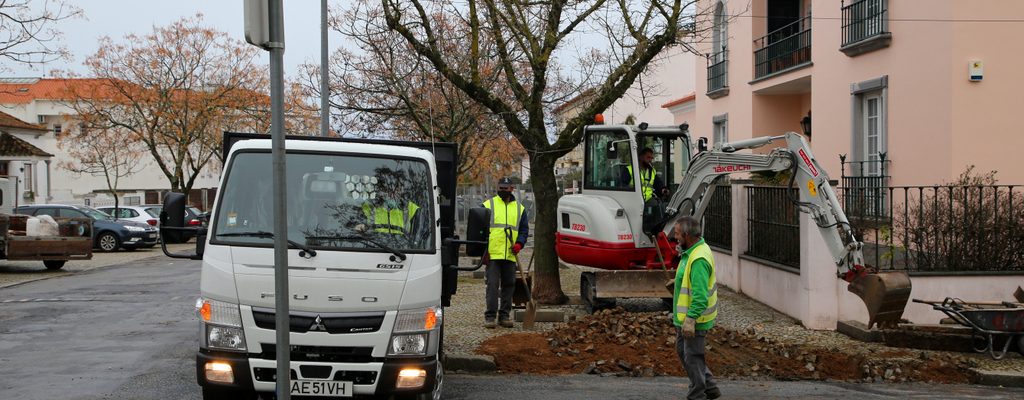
x=718, y=79
x=865, y=27
x=783, y=49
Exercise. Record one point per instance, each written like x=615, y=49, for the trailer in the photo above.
x=73, y=241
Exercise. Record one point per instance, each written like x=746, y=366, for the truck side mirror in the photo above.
x=173, y=216
x=477, y=229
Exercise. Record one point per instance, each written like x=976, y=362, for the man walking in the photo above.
x=509, y=229
x=695, y=300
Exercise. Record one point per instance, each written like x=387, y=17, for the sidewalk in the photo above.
x=19, y=272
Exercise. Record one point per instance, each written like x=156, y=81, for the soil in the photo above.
x=619, y=343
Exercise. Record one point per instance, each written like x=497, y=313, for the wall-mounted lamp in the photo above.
x=805, y=124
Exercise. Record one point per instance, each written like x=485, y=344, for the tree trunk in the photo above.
x=547, y=286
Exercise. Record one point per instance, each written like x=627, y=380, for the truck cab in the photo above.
x=367, y=284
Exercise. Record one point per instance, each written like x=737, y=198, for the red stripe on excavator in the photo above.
x=600, y=254
x=807, y=160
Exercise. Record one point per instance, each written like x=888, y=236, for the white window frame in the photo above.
x=719, y=130
x=878, y=122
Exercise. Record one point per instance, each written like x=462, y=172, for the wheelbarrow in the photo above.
x=987, y=321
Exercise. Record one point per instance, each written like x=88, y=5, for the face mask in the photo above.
x=504, y=194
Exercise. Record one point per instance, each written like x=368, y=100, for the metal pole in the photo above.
x=281, y=314
x=324, y=91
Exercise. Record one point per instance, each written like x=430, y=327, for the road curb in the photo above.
x=999, y=378
x=472, y=363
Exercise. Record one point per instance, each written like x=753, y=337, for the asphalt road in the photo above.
x=129, y=332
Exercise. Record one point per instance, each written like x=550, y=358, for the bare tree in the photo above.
x=532, y=40
x=382, y=87
x=176, y=90
x=108, y=153
x=28, y=30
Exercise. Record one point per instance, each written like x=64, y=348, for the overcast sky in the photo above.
x=116, y=18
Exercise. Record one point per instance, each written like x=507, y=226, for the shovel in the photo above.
x=531, y=306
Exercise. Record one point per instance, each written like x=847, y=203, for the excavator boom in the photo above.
x=884, y=293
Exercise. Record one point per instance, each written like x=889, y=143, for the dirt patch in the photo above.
x=620, y=343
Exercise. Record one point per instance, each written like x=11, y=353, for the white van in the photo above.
x=366, y=224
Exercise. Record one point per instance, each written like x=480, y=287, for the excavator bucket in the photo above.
x=885, y=294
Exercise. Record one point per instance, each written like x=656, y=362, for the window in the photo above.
x=866, y=173
x=720, y=132
x=865, y=26
x=335, y=201
x=71, y=213
x=717, y=60
x=3, y=168
x=872, y=133
x=56, y=129
x=47, y=211
x=132, y=200
x=608, y=158
x=30, y=182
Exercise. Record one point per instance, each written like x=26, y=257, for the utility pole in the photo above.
x=325, y=113
x=264, y=27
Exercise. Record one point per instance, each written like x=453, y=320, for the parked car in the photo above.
x=108, y=234
x=193, y=217
x=140, y=214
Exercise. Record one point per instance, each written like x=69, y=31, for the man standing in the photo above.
x=650, y=182
x=695, y=299
x=509, y=229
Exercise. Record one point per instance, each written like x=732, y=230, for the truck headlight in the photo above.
x=222, y=323
x=419, y=320
x=225, y=338
x=409, y=345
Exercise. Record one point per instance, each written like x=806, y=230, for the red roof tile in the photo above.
x=681, y=100
x=9, y=121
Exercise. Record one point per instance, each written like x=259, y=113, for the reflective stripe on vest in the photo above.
x=646, y=182
x=682, y=305
x=504, y=228
x=393, y=221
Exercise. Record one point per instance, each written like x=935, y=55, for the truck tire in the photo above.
x=54, y=265
x=108, y=241
x=227, y=394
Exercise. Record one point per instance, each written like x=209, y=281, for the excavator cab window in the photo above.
x=608, y=158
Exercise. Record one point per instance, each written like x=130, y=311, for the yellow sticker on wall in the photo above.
x=811, y=188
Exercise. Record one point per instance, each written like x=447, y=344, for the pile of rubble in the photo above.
x=619, y=343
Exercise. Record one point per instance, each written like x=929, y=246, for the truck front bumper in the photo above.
x=376, y=378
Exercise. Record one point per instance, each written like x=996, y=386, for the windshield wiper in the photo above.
x=270, y=235
x=401, y=256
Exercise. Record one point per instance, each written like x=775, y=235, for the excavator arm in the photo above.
x=884, y=294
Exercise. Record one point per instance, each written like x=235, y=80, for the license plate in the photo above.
x=152, y=236
x=322, y=388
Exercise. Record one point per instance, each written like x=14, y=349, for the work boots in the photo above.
x=506, y=323
x=489, y=324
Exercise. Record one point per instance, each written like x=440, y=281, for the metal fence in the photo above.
x=783, y=48
x=864, y=19
x=773, y=225
x=945, y=229
x=472, y=196
x=866, y=186
x=718, y=218
x=718, y=66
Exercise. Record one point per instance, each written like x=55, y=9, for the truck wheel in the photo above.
x=108, y=242
x=226, y=394
x=54, y=265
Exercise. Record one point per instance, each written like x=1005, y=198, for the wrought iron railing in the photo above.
x=863, y=19
x=865, y=185
x=718, y=218
x=783, y=48
x=773, y=225
x=953, y=229
x=718, y=66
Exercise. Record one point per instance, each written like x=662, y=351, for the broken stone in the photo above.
x=589, y=349
x=601, y=362
x=625, y=365
x=607, y=374
x=648, y=372
x=755, y=368
x=889, y=374
x=812, y=358
x=734, y=344
x=810, y=367
x=591, y=369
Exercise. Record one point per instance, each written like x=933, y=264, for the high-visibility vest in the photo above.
x=393, y=221
x=683, y=299
x=504, y=228
x=646, y=181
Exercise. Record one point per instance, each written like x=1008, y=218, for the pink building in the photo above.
x=916, y=90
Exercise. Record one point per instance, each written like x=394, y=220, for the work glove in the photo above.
x=517, y=248
x=689, y=327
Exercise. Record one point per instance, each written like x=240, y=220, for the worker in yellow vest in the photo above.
x=650, y=182
x=695, y=306
x=509, y=229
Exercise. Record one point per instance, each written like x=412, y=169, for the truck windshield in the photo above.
x=343, y=202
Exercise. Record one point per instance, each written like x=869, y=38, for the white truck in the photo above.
x=367, y=293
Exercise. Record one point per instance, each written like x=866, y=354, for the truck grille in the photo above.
x=321, y=353
x=331, y=323
x=356, y=377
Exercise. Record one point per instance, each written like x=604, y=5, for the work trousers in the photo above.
x=691, y=354
x=501, y=280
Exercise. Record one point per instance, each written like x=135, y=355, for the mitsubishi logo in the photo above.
x=318, y=325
